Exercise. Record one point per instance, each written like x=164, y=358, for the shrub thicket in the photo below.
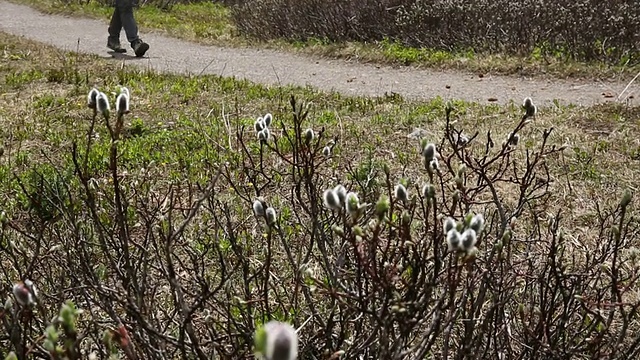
x=468, y=257
x=162, y=4
x=583, y=29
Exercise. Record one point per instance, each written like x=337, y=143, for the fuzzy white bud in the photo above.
x=91, y=98
x=102, y=103
x=258, y=208
x=31, y=287
x=25, y=293
x=529, y=107
x=477, y=223
x=124, y=90
x=122, y=104
x=352, y=203
x=308, y=136
x=448, y=224
x=428, y=191
x=453, y=240
x=331, y=200
x=434, y=164
x=281, y=342
x=268, y=118
x=527, y=102
x=469, y=239
x=270, y=215
x=341, y=192
x=401, y=193
x=326, y=151
x=429, y=151
x=264, y=135
x=513, y=139
x=259, y=125
x=462, y=139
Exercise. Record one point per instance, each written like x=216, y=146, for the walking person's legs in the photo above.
x=115, y=27
x=123, y=18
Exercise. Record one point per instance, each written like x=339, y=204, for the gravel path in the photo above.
x=272, y=67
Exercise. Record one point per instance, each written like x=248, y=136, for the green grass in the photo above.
x=206, y=21
x=210, y=23
x=43, y=108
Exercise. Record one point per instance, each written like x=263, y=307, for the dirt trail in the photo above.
x=272, y=67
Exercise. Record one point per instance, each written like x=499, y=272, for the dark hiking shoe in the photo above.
x=140, y=47
x=115, y=46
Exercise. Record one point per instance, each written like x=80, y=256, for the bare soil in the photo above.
x=279, y=68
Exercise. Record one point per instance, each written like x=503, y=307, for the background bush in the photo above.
x=582, y=29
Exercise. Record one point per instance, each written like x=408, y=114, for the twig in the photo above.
x=627, y=87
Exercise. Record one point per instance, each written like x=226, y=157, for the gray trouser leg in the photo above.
x=123, y=18
x=115, y=26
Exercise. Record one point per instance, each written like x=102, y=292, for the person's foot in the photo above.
x=140, y=47
x=115, y=46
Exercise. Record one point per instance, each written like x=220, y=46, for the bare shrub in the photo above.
x=300, y=20
x=584, y=30
x=465, y=255
x=162, y=4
